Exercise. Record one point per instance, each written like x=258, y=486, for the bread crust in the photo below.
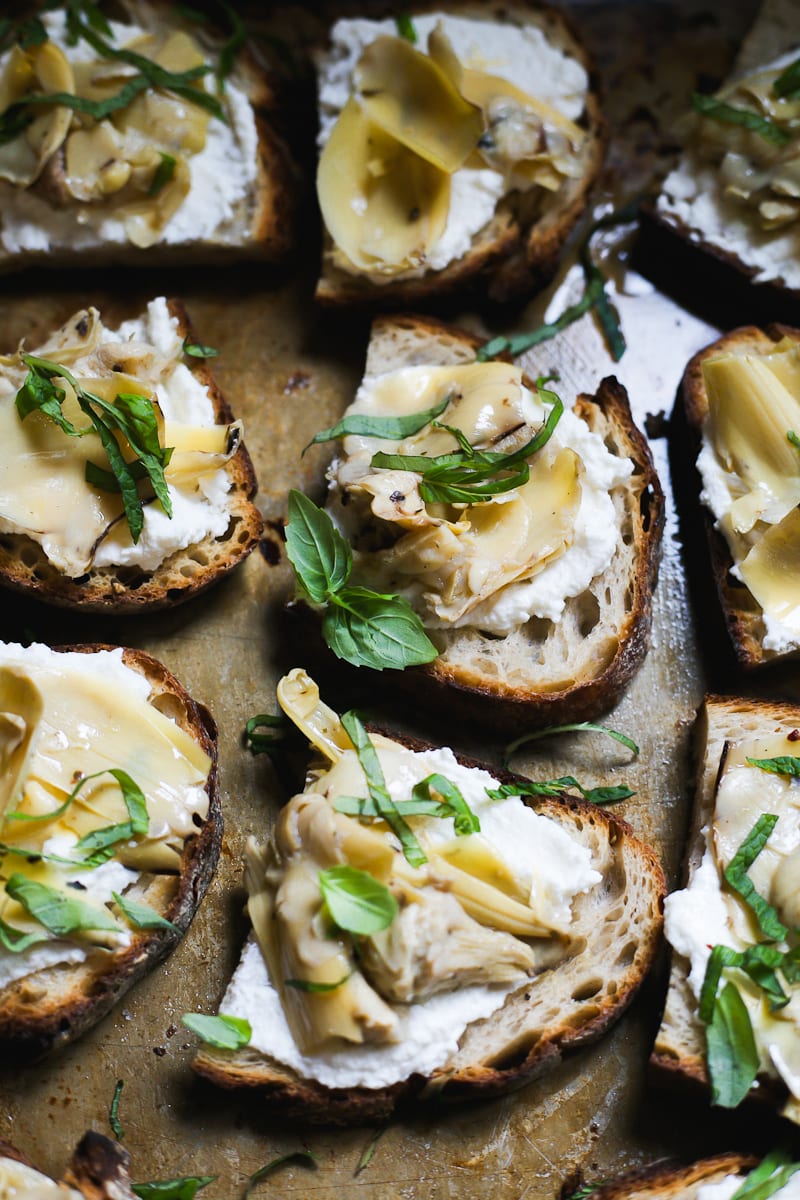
x=265, y=222
x=678, y=1059
x=606, y=671
x=183, y=575
x=517, y=252
x=672, y=1180
x=98, y=1168
x=527, y=1040
x=44, y=1011
x=743, y=614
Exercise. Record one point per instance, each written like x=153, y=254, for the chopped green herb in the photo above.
x=265, y=733
x=465, y=821
x=224, y=1032
x=393, y=428
x=378, y=791
x=759, y=962
x=301, y=1157
x=142, y=916
x=309, y=985
x=196, y=350
x=784, y=764
x=557, y=787
x=234, y=43
x=162, y=174
x=369, y=1152
x=15, y=941
x=731, y=1050
x=587, y=726
x=138, y=824
x=185, y=1188
x=772, y=1173
x=729, y=114
x=113, y=1112
x=58, y=912
x=585, y=1190
x=787, y=84
x=737, y=878
x=356, y=901
x=405, y=28
x=363, y=806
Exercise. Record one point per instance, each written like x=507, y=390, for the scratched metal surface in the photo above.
x=288, y=372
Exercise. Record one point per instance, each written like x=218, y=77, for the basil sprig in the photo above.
x=378, y=791
x=131, y=415
x=731, y=1049
x=265, y=733
x=784, y=764
x=113, y=1112
x=368, y=1152
x=101, y=842
x=737, y=878
x=465, y=820
x=392, y=428
x=579, y=727
x=303, y=1158
x=357, y=902
x=469, y=476
x=59, y=913
x=557, y=787
x=421, y=804
x=222, y=1031
x=772, y=1173
x=142, y=916
x=366, y=628
x=184, y=1188
x=730, y=114
x=760, y=962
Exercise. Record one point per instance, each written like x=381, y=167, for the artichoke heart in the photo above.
x=751, y=410
x=298, y=696
x=771, y=571
x=21, y=708
x=42, y=69
x=383, y=205
x=411, y=99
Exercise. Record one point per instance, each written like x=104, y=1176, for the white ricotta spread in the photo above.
x=200, y=507
x=222, y=176
x=535, y=849
x=520, y=55
x=727, y=1187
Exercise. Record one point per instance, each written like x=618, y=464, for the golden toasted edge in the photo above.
x=34, y=1024
x=282, y=1089
x=671, y=1180
x=685, y=1068
x=742, y=613
x=25, y=568
x=511, y=256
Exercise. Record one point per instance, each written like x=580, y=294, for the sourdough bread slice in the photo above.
x=184, y=573
x=545, y=671
x=517, y=251
x=672, y=1181
x=570, y=1001
x=743, y=614
x=243, y=187
x=98, y=1170
x=679, y=1053
x=46, y=1009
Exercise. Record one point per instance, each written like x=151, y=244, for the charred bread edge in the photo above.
x=315, y=1103
x=509, y=707
x=28, y=1031
x=687, y=1070
x=665, y=1180
x=102, y=589
x=510, y=257
x=741, y=610
x=97, y=1163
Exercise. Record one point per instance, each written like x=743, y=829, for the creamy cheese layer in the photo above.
x=95, y=717
x=20, y=1182
x=520, y=55
x=200, y=507
x=727, y=1187
x=534, y=848
x=223, y=173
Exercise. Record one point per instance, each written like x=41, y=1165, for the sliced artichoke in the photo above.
x=23, y=158
x=298, y=696
x=21, y=708
x=771, y=571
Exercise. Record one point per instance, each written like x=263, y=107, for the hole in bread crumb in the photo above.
x=515, y=1055
x=626, y=954
x=587, y=989
x=589, y=614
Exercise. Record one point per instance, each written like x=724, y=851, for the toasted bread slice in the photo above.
x=546, y=670
x=517, y=251
x=672, y=1181
x=183, y=573
x=98, y=1170
x=679, y=1052
x=582, y=984
x=694, y=202
x=242, y=191
x=743, y=614
x=46, y=1009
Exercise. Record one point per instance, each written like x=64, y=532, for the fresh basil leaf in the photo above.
x=301, y=1157
x=785, y=764
x=234, y=43
x=356, y=901
x=368, y=629
x=162, y=174
x=793, y=439
x=379, y=793
x=185, y=1188
x=15, y=941
x=59, y=913
x=110, y=835
x=363, y=806
x=585, y=1190
x=557, y=787
x=319, y=554
x=142, y=916
x=197, y=350
x=310, y=985
x=113, y=1112
x=31, y=33
x=258, y=740
x=587, y=726
x=720, y=956
x=731, y=1050
x=788, y=82
x=369, y=1152
x=39, y=394
x=56, y=812
x=393, y=428
x=607, y=314
x=737, y=878
x=222, y=1031
x=405, y=28
x=465, y=821
x=771, y=1174
x=729, y=114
